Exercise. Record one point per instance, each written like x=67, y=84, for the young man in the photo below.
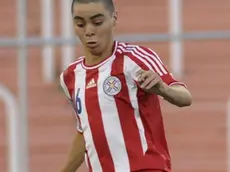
x=114, y=90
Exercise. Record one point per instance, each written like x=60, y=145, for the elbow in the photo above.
x=184, y=104
x=187, y=101
x=181, y=97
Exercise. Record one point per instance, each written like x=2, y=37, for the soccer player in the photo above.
x=114, y=89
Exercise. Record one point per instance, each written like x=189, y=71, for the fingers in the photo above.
x=152, y=84
x=139, y=72
x=147, y=79
x=140, y=75
x=143, y=76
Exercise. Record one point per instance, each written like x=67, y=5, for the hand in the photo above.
x=151, y=82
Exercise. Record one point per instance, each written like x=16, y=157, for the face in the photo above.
x=94, y=25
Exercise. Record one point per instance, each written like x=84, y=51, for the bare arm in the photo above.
x=76, y=155
x=177, y=95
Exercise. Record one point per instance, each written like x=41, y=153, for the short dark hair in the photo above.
x=108, y=4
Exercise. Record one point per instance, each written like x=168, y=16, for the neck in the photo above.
x=92, y=59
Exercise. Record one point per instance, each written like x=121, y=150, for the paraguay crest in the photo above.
x=112, y=86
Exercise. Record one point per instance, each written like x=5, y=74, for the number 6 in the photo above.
x=78, y=102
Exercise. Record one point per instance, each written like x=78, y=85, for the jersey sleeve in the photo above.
x=64, y=86
x=147, y=59
x=64, y=79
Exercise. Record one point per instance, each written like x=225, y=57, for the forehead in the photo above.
x=86, y=10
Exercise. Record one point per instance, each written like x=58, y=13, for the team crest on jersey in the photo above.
x=112, y=86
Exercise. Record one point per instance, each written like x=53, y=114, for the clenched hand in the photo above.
x=150, y=82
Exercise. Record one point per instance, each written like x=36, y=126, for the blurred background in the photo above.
x=197, y=135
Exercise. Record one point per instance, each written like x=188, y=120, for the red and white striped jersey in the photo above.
x=122, y=125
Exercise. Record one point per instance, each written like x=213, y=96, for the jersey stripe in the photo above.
x=140, y=61
x=151, y=52
x=112, y=124
x=68, y=83
x=146, y=63
x=79, y=127
x=134, y=101
x=64, y=87
x=153, y=126
x=89, y=143
x=148, y=122
x=132, y=140
x=152, y=57
x=88, y=162
x=140, y=53
x=138, y=104
x=96, y=123
x=119, y=51
x=68, y=79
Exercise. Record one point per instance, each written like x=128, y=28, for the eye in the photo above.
x=98, y=23
x=81, y=25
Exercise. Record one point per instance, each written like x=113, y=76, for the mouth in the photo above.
x=92, y=44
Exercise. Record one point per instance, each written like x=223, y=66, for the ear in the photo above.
x=115, y=17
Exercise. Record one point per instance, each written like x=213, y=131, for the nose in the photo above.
x=89, y=31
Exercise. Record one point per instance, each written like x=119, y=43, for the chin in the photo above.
x=96, y=51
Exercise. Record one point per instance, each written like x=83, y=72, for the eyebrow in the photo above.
x=92, y=17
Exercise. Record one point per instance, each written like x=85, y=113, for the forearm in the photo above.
x=76, y=155
x=177, y=95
